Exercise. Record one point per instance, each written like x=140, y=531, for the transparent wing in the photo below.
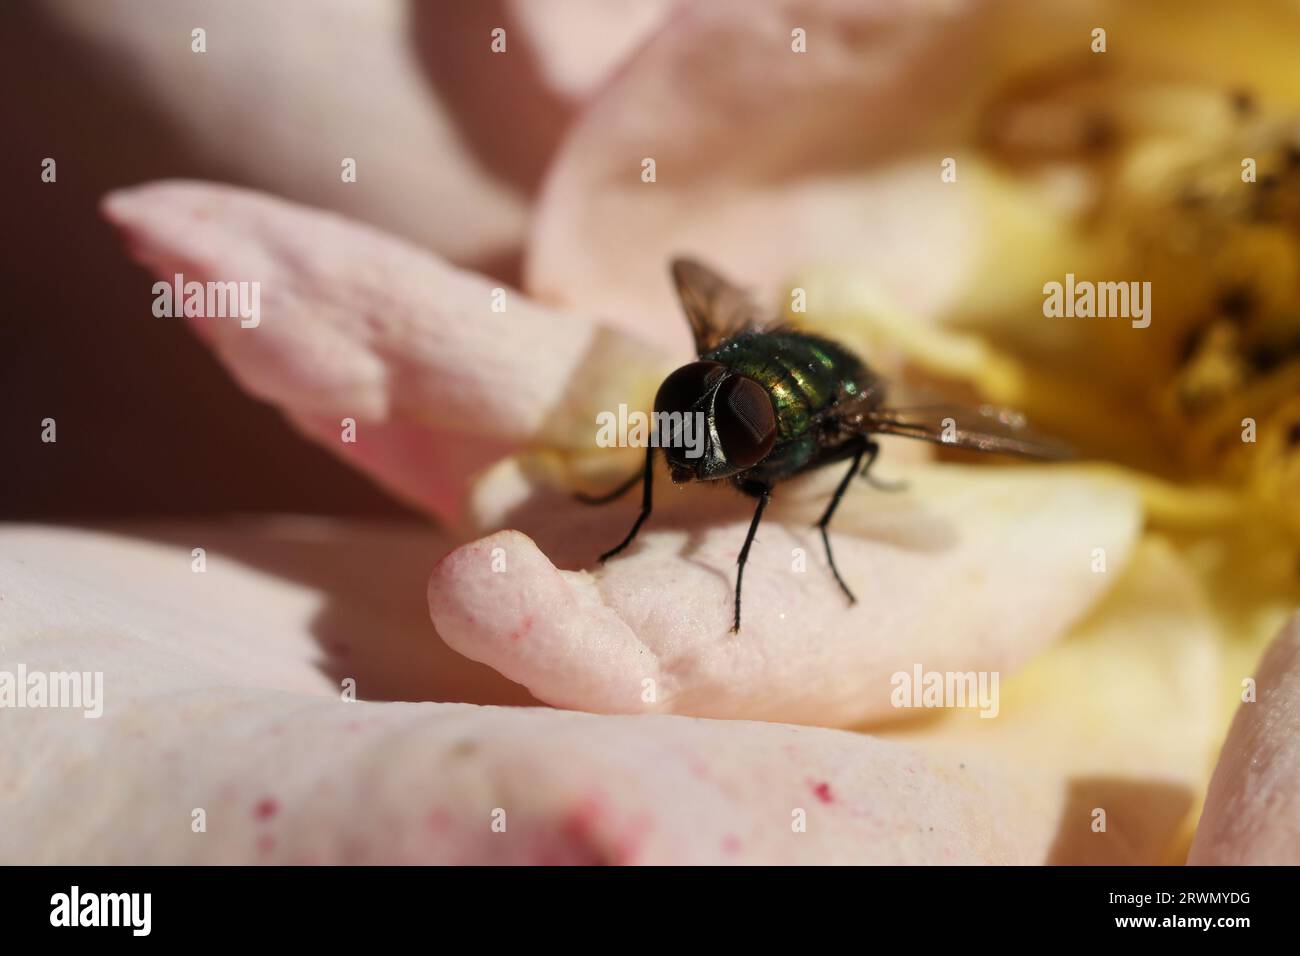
x=716, y=309
x=987, y=428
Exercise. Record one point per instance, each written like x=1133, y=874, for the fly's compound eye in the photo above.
x=680, y=396
x=746, y=421
x=682, y=390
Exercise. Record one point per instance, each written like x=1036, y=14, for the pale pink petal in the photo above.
x=298, y=780
x=1252, y=812
x=971, y=569
x=224, y=736
x=287, y=90
x=1121, y=717
x=578, y=44
x=357, y=325
x=290, y=605
x=766, y=159
x=511, y=74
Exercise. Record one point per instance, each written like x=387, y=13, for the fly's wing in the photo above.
x=717, y=310
x=988, y=428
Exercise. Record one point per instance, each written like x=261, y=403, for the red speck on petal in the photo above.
x=265, y=843
x=823, y=791
x=265, y=809
x=580, y=821
x=628, y=846
x=731, y=844
x=578, y=841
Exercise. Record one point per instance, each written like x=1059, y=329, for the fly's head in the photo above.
x=713, y=422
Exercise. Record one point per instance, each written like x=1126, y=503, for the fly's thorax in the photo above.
x=802, y=374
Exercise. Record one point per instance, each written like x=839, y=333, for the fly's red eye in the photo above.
x=746, y=421
x=686, y=386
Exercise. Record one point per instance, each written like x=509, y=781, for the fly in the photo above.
x=777, y=403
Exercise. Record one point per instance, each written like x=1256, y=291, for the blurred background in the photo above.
x=148, y=422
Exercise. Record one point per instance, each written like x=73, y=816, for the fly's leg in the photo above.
x=649, y=478
x=763, y=493
x=623, y=488
x=873, y=449
x=868, y=449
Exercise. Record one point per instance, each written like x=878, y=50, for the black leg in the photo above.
x=868, y=449
x=762, y=494
x=623, y=488
x=873, y=449
x=645, y=504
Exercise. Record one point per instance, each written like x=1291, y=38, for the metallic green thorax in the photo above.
x=804, y=375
